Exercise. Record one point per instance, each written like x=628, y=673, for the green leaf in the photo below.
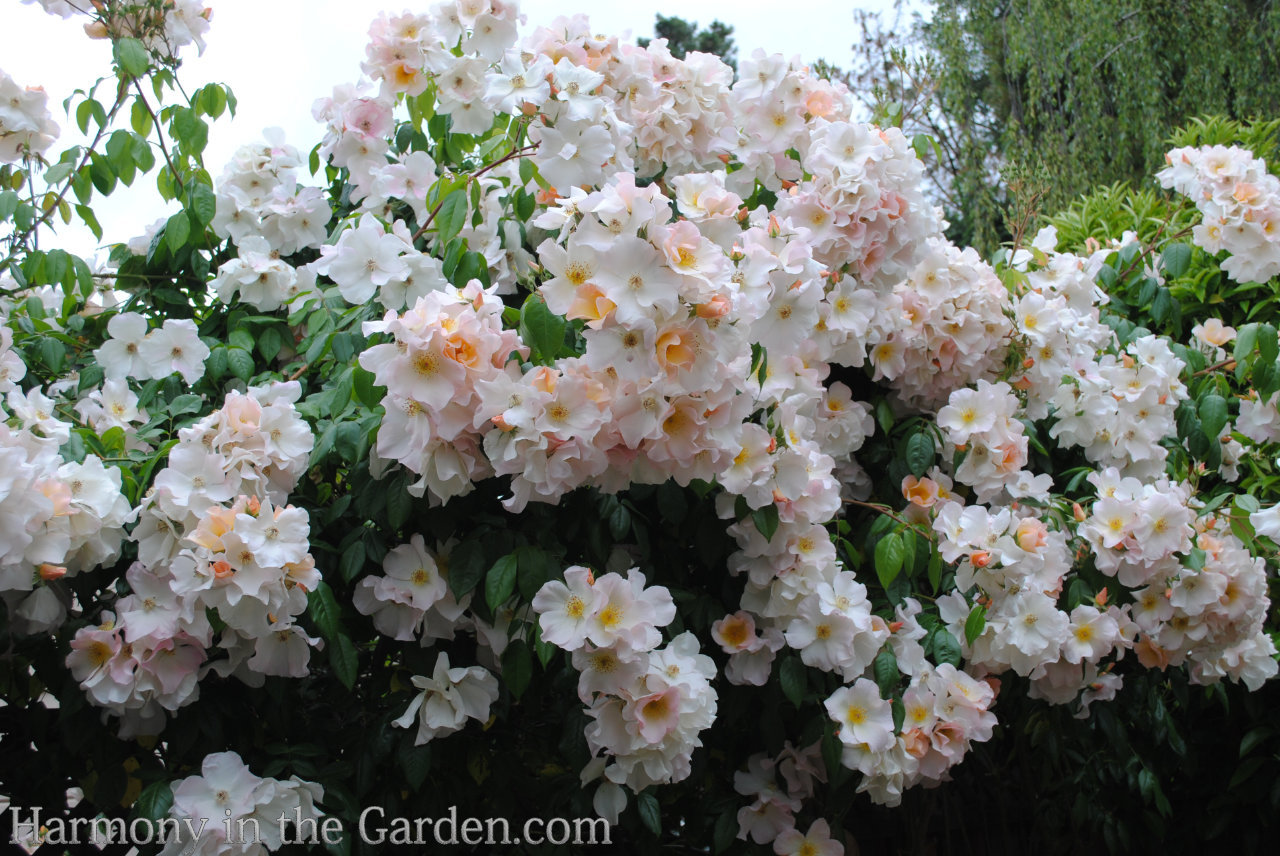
x=55, y=266
x=619, y=521
x=794, y=679
x=203, y=204
x=1176, y=259
x=176, y=231
x=347, y=439
x=919, y=453
x=83, y=113
x=1187, y=421
x=53, y=353
x=500, y=582
x=187, y=403
x=155, y=801
x=935, y=570
x=366, y=388
x=472, y=266
x=240, y=362
x=113, y=440
x=399, y=504
x=517, y=667
x=884, y=416
x=84, y=277
x=1246, y=341
x=1147, y=290
x=240, y=337
x=832, y=753
x=726, y=831
x=452, y=255
x=1164, y=308
x=352, y=561
x=415, y=761
x=886, y=672
x=324, y=611
x=910, y=540
x=1268, y=347
x=131, y=56
x=191, y=131
x=90, y=376
x=1245, y=771
x=524, y=203
x=216, y=365
x=541, y=329
x=527, y=171
x=1254, y=739
x=466, y=567
x=344, y=346
x=75, y=449
x=270, y=343
x=766, y=520
x=536, y=567
x=975, y=623
x=213, y=100
x=1213, y=415
x=1265, y=378
x=945, y=647
x=8, y=204
x=1246, y=503
x=452, y=215
x=475, y=203
x=889, y=555
x=544, y=650
x=759, y=363
x=650, y=812
x=344, y=659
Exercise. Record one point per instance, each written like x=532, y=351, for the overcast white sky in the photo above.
x=278, y=56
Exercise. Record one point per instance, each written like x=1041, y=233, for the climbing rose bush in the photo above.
x=564, y=363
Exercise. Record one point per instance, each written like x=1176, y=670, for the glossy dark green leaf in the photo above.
x=945, y=647
x=500, y=582
x=541, y=329
x=452, y=215
x=794, y=679
x=154, y=801
x=885, y=667
x=1213, y=415
x=650, y=812
x=323, y=608
x=466, y=568
x=517, y=667
x=399, y=504
x=889, y=555
x=766, y=520
x=975, y=623
x=344, y=659
x=352, y=562
x=919, y=453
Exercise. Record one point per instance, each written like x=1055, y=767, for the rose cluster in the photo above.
x=648, y=704
x=215, y=537
x=1239, y=202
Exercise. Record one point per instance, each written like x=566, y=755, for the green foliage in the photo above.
x=1193, y=287
x=1090, y=87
